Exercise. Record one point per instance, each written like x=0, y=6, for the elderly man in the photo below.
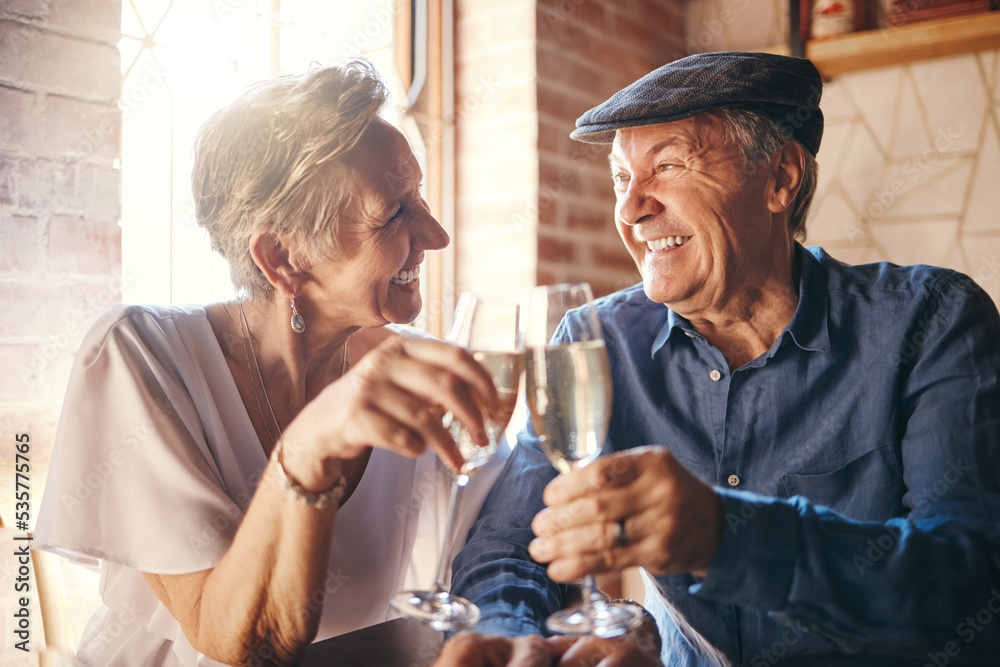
x=806, y=454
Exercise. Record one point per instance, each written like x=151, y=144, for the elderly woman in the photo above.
x=266, y=472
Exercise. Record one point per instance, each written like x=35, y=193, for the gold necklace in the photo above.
x=346, y=366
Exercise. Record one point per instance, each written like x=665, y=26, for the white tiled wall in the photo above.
x=910, y=160
x=910, y=167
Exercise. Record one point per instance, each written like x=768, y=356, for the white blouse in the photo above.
x=154, y=465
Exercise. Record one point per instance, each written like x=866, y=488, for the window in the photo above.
x=182, y=60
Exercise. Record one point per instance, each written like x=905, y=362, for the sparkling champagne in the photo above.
x=569, y=400
x=505, y=368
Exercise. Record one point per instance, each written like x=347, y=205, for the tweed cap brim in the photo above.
x=783, y=88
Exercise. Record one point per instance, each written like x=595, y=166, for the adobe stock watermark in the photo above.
x=915, y=171
x=139, y=88
x=436, y=305
x=86, y=312
x=987, y=270
x=221, y=8
x=901, y=16
x=120, y=622
x=619, y=469
x=967, y=630
x=953, y=474
x=333, y=582
x=426, y=489
x=780, y=647
x=712, y=28
x=433, y=137
x=262, y=655
x=92, y=479
x=368, y=31
x=551, y=190
x=826, y=431
x=878, y=547
x=209, y=530
x=91, y=140
x=563, y=11
x=28, y=31
x=925, y=328
x=932, y=324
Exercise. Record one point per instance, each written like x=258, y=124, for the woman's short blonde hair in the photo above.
x=272, y=157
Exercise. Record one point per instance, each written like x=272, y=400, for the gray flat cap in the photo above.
x=786, y=90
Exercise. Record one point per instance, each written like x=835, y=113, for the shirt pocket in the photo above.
x=867, y=488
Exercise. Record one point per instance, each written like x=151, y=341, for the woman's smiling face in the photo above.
x=384, y=232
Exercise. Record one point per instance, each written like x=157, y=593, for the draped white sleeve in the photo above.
x=133, y=479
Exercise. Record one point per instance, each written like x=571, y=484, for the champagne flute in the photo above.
x=489, y=329
x=568, y=386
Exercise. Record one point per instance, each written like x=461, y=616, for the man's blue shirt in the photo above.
x=858, y=460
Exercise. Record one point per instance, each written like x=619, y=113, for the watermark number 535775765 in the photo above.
x=22, y=516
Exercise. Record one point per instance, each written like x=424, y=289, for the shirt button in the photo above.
x=715, y=375
x=733, y=480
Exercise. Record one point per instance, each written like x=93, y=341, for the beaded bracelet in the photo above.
x=320, y=500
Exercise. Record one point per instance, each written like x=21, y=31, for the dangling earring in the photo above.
x=298, y=324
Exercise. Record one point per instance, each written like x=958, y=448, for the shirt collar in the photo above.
x=674, y=323
x=808, y=326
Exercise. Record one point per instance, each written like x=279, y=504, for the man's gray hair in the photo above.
x=273, y=158
x=758, y=138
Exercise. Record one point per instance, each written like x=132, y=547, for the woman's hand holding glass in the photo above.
x=392, y=399
x=489, y=330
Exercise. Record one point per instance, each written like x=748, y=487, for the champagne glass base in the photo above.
x=600, y=619
x=439, y=609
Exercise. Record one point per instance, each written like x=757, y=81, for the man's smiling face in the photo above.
x=696, y=225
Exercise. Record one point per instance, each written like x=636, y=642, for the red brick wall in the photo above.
x=588, y=50
x=60, y=243
x=535, y=207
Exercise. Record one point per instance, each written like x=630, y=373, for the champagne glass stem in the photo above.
x=589, y=594
x=442, y=569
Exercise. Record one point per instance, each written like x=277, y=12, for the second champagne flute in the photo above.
x=568, y=387
x=490, y=330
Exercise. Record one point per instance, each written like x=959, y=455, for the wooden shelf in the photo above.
x=903, y=44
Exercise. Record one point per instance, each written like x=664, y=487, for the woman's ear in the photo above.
x=275, y=256
x=788, y=171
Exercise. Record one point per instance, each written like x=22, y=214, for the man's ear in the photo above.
x=275, y=256
x=787, y=170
